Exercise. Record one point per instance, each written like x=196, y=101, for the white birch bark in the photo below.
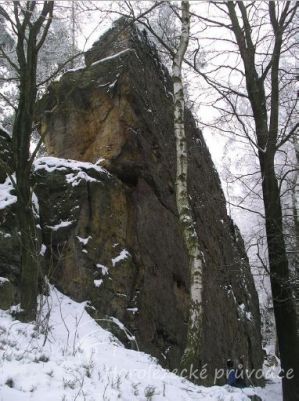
x=191, y=354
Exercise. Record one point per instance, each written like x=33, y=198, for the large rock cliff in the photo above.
x=109, y=222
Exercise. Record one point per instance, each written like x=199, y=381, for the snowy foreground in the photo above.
x=71, y=358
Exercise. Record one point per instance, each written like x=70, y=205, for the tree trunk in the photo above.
x=25, y=217
x=296, y=224
x=284, y=310
x=191, y=356
x=21, y=140
x=31, y=28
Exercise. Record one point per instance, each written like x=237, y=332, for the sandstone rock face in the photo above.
x=112, y=236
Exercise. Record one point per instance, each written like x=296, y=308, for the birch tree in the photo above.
x=175, y=49
x=191, y=355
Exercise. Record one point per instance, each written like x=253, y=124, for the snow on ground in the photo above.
x=71, y=358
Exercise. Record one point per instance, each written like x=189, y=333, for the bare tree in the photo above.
x=296, y=224
x=193, y=346
x=29, y=22
x=255, y=104
x=30, y=63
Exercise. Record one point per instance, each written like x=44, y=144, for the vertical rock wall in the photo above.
x=114, y=238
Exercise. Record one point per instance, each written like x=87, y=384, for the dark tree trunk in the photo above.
x=266, y=126
x=21, y=140
x=296, y=230
x=31, y=33
x=283, y=302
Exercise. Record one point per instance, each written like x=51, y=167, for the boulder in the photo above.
x=112, y=234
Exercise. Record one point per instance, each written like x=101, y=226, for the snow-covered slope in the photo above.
x=70, y=357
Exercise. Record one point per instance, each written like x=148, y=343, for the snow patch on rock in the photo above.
x=124, y=254
x=6, y=197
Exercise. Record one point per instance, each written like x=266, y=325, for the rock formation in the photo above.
x=6, y=161
x=109, y=223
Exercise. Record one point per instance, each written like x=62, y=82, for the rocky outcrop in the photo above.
x=109, y=222
x=6, y=159
x=9, y=241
